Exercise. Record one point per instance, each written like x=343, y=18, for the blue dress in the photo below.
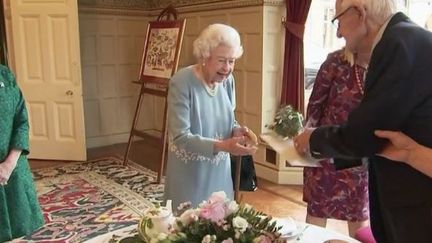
x=196, y=120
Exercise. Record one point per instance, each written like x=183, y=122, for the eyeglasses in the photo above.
x=335, y=20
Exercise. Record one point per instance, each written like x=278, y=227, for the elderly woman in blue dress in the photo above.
x=202, y=128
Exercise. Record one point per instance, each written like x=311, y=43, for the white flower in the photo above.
x=232, y=208
x=226, y=227
x=208, y=239
x=240, y=223
x=162, y=236
x=237, y=234
x=184, y=205
x=188, y=216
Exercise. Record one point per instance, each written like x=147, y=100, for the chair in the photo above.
x=365, y=235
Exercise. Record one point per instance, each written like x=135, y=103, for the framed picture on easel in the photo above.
x=159, y=62
x=161, y=51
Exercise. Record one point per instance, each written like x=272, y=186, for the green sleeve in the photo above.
x=20, y=130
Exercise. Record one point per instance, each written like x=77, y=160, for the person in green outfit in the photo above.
x=20, y=212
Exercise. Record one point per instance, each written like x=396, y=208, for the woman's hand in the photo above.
x=6, y=169
x=235, y=146
x=240, y=131
x=7, y=166
x=251, y=138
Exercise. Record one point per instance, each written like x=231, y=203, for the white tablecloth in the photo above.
x=308, y=233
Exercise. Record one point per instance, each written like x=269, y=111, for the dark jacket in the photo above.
x=398, y=96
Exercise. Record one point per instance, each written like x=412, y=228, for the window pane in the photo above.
x=319, y=40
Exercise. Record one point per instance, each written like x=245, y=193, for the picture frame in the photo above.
x=161, y=51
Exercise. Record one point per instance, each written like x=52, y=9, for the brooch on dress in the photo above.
x=2, y=84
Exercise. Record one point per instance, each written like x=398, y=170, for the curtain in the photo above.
x=3, y=43
x=293, y=66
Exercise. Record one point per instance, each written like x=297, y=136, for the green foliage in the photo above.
x=259, y=224
x=287, y=122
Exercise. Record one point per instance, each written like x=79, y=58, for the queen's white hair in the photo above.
x=378, y=10
x=213, y=36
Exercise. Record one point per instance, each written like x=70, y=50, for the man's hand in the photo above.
x=399, y=147
x=301, y=141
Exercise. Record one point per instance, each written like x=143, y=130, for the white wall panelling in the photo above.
x=111, y=49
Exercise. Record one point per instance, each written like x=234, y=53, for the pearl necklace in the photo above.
x=211, y=91
x=358, y=80
x=200, y=75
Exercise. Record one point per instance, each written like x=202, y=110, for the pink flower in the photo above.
x=218, y=197
x=214, y=211
x=215, y=208
x=229, y=240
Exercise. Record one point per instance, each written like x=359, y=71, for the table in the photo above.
x=314, y=234
x=307, y=233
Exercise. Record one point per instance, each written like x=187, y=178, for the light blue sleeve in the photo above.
x=179, y=111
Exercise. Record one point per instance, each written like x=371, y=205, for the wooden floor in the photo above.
x=273, y=199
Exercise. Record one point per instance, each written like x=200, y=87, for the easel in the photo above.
x=237, y=196
x=157, y=83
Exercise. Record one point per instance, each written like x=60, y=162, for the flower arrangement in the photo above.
x=287, y=122
x=216, y=220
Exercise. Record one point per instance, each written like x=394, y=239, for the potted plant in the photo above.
x=287, y=122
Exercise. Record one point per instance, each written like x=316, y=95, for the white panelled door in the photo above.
x=47, y=59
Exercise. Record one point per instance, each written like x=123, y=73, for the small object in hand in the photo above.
x=252, y=139
x=335, y=241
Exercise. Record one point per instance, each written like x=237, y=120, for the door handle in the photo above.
x=69, y=92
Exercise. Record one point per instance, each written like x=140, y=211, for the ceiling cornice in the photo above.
x=153, y=7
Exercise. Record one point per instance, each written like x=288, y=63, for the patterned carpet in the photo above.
x=86, y=200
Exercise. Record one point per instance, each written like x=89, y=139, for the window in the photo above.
x=319, y=40
x=420, y=11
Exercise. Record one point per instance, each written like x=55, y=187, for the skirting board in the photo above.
x=106, y=140
x=291, y=176
x=111, y=139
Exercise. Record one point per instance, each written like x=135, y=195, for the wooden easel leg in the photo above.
x=134, y=123
x=164, y=143
x=237, y=179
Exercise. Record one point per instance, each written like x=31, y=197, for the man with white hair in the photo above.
x=398, y=96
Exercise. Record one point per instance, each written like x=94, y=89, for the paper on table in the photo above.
x=287, y=152
x=288, y=226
